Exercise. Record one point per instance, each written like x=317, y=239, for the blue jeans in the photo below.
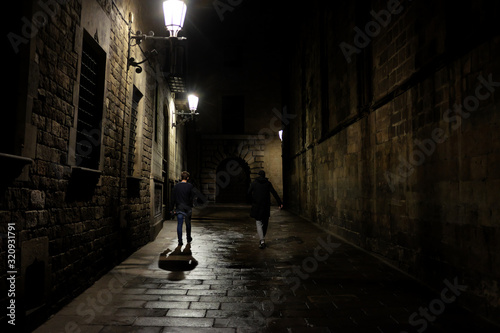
x=180, y=218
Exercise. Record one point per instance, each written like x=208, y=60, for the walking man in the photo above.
x=182, y=205
x=260, y=190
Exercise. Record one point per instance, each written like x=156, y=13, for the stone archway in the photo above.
x=246, y=150
x=233, y=180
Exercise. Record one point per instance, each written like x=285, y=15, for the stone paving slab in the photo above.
x=306, y=280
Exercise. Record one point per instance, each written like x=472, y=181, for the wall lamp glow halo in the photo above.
x=183, y=117
x=174, y=12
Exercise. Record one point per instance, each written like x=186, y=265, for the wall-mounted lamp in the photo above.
x=174, y=12
x=280, y=133
x=187, y=116
x=193, y=102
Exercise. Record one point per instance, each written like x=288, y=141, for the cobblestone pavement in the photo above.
x=306, y=280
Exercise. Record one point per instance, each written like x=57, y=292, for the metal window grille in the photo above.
x=90, y=105
x=133, y=131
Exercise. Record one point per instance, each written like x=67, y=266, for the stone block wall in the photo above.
x=250, y=152
x=72, y=223
x=245, y=149
x=395, y=142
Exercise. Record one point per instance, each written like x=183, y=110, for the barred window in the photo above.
x=137, y=95
x=90, y=104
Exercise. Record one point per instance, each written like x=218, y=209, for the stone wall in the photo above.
x=379, y=152
x=74, y=223
x=250, y=152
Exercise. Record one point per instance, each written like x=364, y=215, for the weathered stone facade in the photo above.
x=229, y=159
x=380, y=153
x=71, y=222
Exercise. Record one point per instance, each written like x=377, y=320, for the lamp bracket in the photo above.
x=132, y=62
x=186, y=113
x=138, y=37
x=184, y=117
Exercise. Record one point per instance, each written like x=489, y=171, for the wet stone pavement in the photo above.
x=306, y=280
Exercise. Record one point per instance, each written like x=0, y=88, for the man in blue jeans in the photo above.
x=182, y=200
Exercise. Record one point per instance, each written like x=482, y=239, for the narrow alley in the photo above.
x=375, y=123
x=306, y=280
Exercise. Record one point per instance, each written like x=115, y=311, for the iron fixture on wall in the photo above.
x=174, y=12
x=183, y=117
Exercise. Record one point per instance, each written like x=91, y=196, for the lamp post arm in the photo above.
x=186, y=113
x=141, y=37
x=164, y=38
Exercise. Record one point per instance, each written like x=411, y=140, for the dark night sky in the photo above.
x=256, y=26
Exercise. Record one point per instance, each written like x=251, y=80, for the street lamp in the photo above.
x=187, y=116
x=174, y=12
x=193, y=102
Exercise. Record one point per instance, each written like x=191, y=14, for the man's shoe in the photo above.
x=262, y=245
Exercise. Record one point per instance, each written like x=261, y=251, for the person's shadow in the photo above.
x=177, y=262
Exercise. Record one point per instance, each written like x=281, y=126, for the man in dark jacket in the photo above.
x=182, y=199
x=260, y=190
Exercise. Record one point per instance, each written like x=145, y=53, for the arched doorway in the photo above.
x=232, y=181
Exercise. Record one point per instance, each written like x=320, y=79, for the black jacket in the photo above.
x=182, y=197
x=260, y=190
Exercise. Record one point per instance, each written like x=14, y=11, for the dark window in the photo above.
x=133, y=130
x=157, y=114
x=469, y=24
x=16, y=58
x=233, y=114
x=158, y=199
x=90, y=104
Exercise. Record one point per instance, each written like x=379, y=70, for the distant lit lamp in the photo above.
x=280, y=133
x=174, y=12
x=193, y=102
x=187, y=116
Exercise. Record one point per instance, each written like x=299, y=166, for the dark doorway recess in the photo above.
x=233, y=180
